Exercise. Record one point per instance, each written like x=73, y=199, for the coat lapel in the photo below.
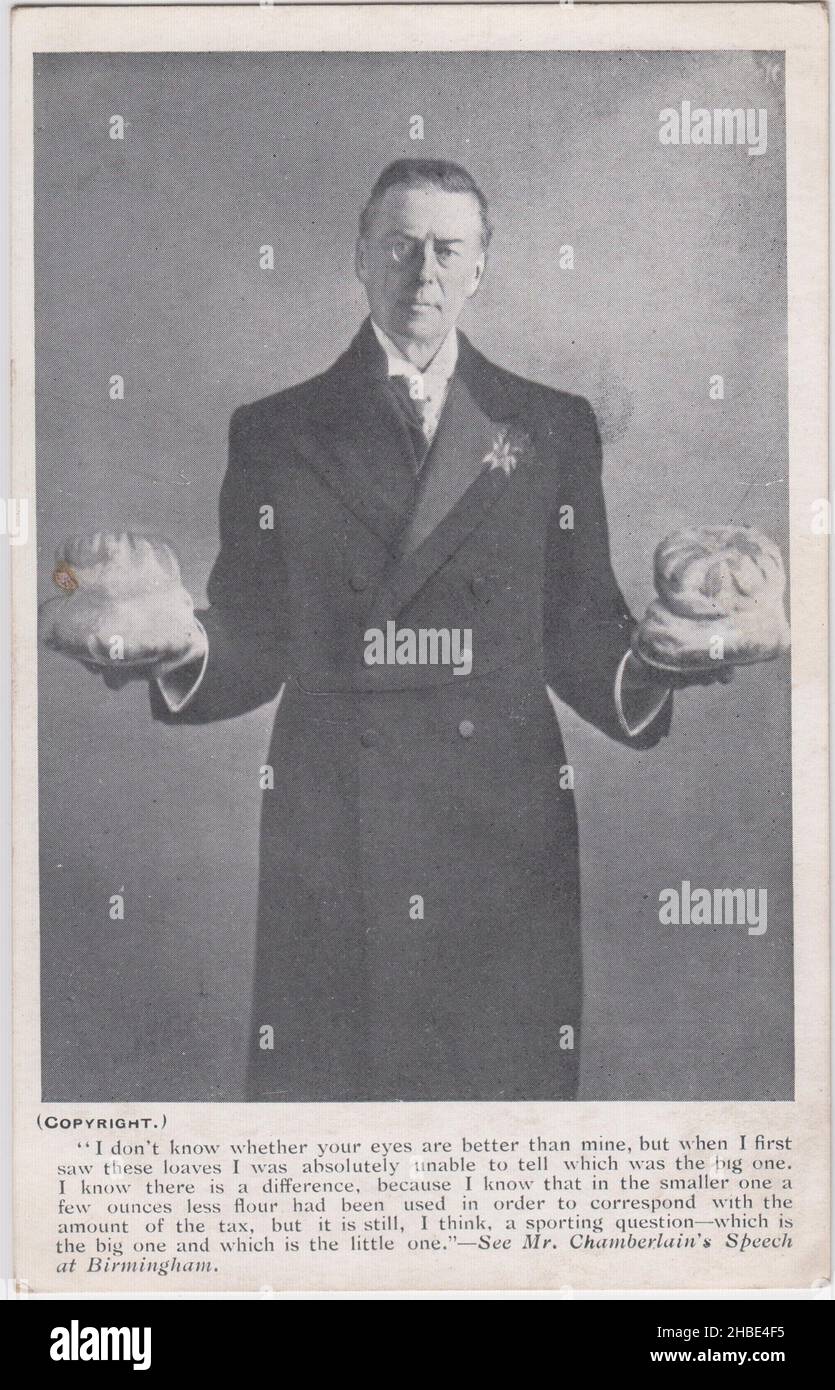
x=358, y=443
x=452, y=465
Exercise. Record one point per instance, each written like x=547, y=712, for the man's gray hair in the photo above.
x=427, y=173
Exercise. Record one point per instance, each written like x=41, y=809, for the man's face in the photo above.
x=420, y=262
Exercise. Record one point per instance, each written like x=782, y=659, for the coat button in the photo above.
x=466, y=728
x=479, y=586
x=358, y=582
x=370, y=738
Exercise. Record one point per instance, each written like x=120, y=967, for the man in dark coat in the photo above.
x=419, y=906
x=414, y=555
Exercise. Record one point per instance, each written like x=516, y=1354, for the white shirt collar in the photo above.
x=440, y=369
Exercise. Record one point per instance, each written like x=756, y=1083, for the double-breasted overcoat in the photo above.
x=419, y=905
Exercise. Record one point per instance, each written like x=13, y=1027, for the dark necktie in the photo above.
x=412, y=411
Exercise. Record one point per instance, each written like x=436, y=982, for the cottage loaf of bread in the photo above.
x=123, y=601
x=720, y=598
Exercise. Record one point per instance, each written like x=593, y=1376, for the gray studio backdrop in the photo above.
x=147, y=265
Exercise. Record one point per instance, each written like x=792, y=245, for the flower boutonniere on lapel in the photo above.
x=509, y=446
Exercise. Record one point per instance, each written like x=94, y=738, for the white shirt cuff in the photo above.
x=179, y=687
x=638, y=698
